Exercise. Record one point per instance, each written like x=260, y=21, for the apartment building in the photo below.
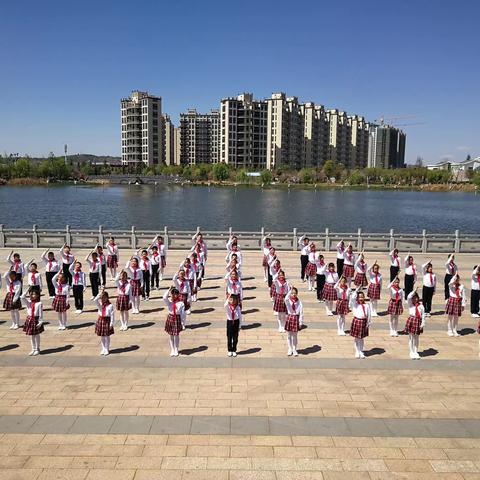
x=316, y=134
x=168, y=141
x=386, y=147
x=359, y=137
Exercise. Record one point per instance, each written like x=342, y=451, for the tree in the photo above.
x=329, y=168
x=220, y=171
x=266, y=176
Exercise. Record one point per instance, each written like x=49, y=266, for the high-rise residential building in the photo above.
x=386, y=147
x=339, y=138
x=142, y=129
x=316, y=131
x=359, y=136
x=199, y=137
x=168, y=141
x=243, y=136
x=177, y=149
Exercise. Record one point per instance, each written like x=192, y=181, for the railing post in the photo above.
x=68, y=236
x=2, y=236
x=101, y=238
x=359, y=240
x=165, y=236
x=262, y=234
x=230, y=230
x=424, y=241
x=295, y=241
x=35, y=236
x=327, y=239
x=134, y=238
x=391, y=245
x=457, y=241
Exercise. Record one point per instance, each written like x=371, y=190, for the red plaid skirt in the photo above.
x=135, y=288
x=310, y=270
x=8, y=303
x=184, y=298
x=360, y=280
x=31, y=327
x=329, y=293
x=193, y=290
x=413, y=325
x=112, y=261
x=359, y=328
x=123, y=303
x=163, y=262
x=342, y=307
x=272, y=291
x=264, y=262
x=373, y=292
x=348, y=271
x=279, y=303
x=395, y=308
x=173, y=325
x=292, y=324
x=60, y=303
x=454, y=307
x=103, y=328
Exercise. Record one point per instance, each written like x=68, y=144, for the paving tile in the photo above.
x=210, y=425
x=131, y=425
x=92, y=424
x=178, y=425
x=16, y=423
x=52, y=424
x=250, y=425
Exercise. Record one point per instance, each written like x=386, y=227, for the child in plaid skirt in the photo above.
x=280, y=288
x=362, y=318
x=105, y=321
x=294, y=320
x=12, y=301
x=112, y=257
x=175, y=322
x=349, y=260
x=311, y=268
x=343, y=300
x=415, y=323
x=360, y=279
x=136, y=283
x=123, y=298
x=455, y=305
x=329, y=294
x=60, y=302
x=33, y=325
x=395, y=305
x=375, y=287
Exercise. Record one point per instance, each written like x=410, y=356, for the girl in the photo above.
x=60, y=302
x=455, y=305
x=232, y=244
x=429, y=287
x=280, y=288
x=410, y=274
x=155, y=261
x=321, y=269
x=360, y=272
x=329, y=293
x=191, y=277
x=340, y=256
x=146, y=269
x=275, y=268
x=415, y=323
x=67, y=261
x=394, y=264
x=233, y=265
x=311, y=268
x=34, y=278
x=294, y=321
x=304, y=243
x=105, y=321
x=175, y=322
x=349, y=261
x=51, y=268
x=182, y=284
x=201, y=265
x=234, y=286
x=33, y=325
x=162, y=251
x=103, y=264
x=234, y=323
x=343, y=295
x=395, y=305
x=112, y=257
x=123, y=298
x=271, y=257
x=12, y=302
x=94, y=274
x=136, y=283
x=266, y=246
x=475, y=293
x=362, y=319
x=451, y=269
x=197, y=270
x=79, y=282
x=17, y=265
x=198, y=239
x=375, y=287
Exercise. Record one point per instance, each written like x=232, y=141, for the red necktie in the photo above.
x=234, y=286
x=122, y=287
x=294, y=305
x=344, y=293
x=60, y=289
x=76, y=277
x=397, y=296
x=364, y=312
x=17, y=266
x=413, y=268
x=457, y=292
x=33, y=279
x=362, y=266
x=282, y=288
x=417, y=311
x=145, y=265
x=104, y=307
x=134, y=272
x=182, y=284
x=32, y=313
x=49, y=265
x=100, y=259
x=431, y=280
x=11, y=287
x=232, y=312
x=174, y=307
x=478, y=278
x=376, y=278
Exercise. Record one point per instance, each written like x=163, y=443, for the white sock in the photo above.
x=171, y=341
x=64, y=318
x=13, y=317
x=290, y=341
x=455, y=323
x=362, y=342
x=374, y=306
x=450, y=324
x=341, y=323
x=410, y=344
x=294, y=340
x=329, y=306
x=103, y=342
x=32, y=340
x=176, y=339
x=281, y=320
x=416, y=342
x=60, y=316
x=357, y=346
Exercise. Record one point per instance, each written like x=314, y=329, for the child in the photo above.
x=410, y=274
x=103, y=264
x=197, y=270
x=394, y=264
x=175, y=322
x=321, y=269
x=360, y=271
x=79, y=285
x=162, y=251
x=329, y=293
x=234, y=286
x=266, y=246
x=136, y=283
x=60, y=302
x=199, y=264
x=182, y=285
x=191, y=276
x=94, y=275
x=304, y=243
x=146, y=268
x=233, y=249
x=311, y=268
x=349, y=260
x=112, y=257
x=234, y=323
x=280, y=288
x=34, y=278
x=105, y=321
x=455, y=305
x=294, y=321
x=343, y=295
x=12, y=302
x=475, y=292
x=155, y=261
x=415, y=323
x=51, y=268
x=429, y=287
x=340, y=256
x=395, y=305
x=375, y=287
x=16, y=265
x=33, y=325
x=275, y=267
x=198, y=239
x=271, y=257
x=362, y=319
x=123, y=298
x=451, y=269
x=67, y=261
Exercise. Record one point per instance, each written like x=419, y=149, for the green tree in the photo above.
x=476, y=179
x=329, y=168
x=266, y=176
x=306, y=175
x=22, y=168
x=220, y=171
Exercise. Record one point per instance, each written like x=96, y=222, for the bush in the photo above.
x=357, y=178
x=220, y=171
x=307, y=175
x=266, y=176
x=476, y=179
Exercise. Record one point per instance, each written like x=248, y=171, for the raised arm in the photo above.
x=409, y=298
x=55, y=277
x=25, y=301
x=450, y=258
x=9, y=258
x=97, y=301
x=300, y=240
x=166, y=299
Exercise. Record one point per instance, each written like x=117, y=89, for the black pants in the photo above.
x=475, y=301
x=320, y=285
x=95, y=283
x=104, y=274
x=393, y=272
x=427, y=295
x=51, y=288
x=66, y=272
x=269, y=279
x=303, y=263
x=340, y=266
x=78, y=296
x=446, y=282
x=233, y=326
x=155, y=275
x=199, y=280
x=146, y=283
x=409, y=282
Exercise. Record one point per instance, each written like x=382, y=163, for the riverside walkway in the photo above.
x=140, y=414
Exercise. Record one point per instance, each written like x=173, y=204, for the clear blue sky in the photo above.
x=65, y=65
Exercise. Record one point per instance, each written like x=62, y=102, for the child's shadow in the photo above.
x=374, y=351
x=131, y=348
x=9, y=347
x=191, y=351
x=429, y=352
x=250, y=351
x=309, y=350
x=56, y=350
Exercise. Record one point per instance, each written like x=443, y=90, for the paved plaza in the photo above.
x=140, y=414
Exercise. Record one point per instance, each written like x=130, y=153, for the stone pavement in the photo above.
x=139, y=414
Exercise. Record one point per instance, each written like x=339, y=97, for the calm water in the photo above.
x=243, y=208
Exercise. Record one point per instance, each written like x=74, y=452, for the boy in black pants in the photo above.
x=234, y=322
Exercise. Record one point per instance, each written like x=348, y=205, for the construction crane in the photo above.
x=393, y=120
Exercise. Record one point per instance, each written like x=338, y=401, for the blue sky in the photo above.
x=65, y=65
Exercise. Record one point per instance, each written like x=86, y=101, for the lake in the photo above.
x=243, y=208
